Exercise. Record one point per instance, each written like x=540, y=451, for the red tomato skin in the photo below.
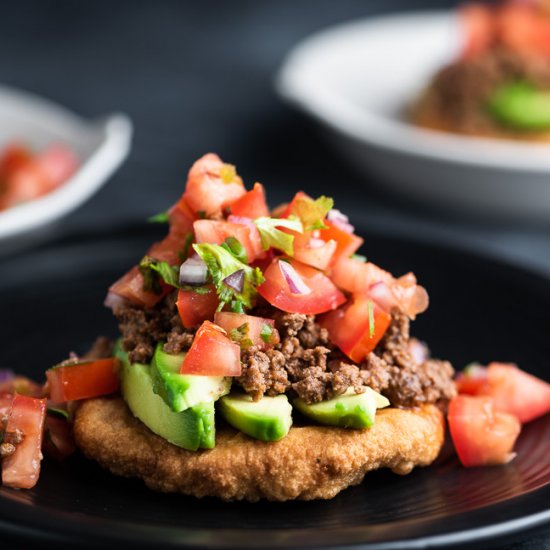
x=83, y=380
x=478, y=24
x=324, y=295
x=516, y=392
x=481, y=435
x=181, y=221
x=251, y=205
x=472, y=381
x=356, y=276
x=22, y=468
x=58, y=163
x=346, y=243
x=13, y=157
x=206, y=191
x=212, y=353
x=195, y=308
x=254, y=236
x=229, y=321
x=215, y=232
x=349, y=327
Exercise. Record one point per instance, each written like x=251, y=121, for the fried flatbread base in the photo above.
x=312, y=462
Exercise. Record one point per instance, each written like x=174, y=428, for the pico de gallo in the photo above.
x=26, y=175
x=274, y=303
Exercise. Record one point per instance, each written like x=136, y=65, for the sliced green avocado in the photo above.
x=521, y=106
x=349, y=410
x=268, y=419
x=189, y=429
x=183, y=391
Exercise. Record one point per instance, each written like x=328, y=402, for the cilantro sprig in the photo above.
x=221, y=263
x=273, y=237
x=312, y=212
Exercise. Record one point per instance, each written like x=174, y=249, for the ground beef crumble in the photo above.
x=304, y=362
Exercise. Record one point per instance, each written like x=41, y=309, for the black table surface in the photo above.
x=197, y=77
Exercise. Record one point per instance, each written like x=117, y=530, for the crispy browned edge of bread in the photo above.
x=313, y=462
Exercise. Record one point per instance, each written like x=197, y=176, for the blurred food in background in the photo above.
x=500, y=84
x=26, y=175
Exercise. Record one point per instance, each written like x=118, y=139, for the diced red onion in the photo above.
x=316, y=243
x=242, y=220
x=113, y=300
x=293, y=280
x=6, y=375
x=235, y=280
x=381, y=293
x=418, y=350
x=193, y=272
x=341, y=221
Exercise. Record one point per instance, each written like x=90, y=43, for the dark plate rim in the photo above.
x=469, y=526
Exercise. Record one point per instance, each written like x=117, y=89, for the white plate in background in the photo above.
x=357, y=79
x=100, y=145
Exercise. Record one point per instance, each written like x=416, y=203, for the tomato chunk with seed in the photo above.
x=83, y=380
x=482, y=436
x=212, y=353
x=259, y=331
x=194, y=307
x=22, y=468
x=513, y=390
x=251, y=205
x=312, y=250
x=357, y=328
x=310, y=293
x=346, y=243
x=212, y=185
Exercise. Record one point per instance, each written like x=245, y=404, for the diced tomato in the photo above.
x=514, y=391
x=481, y=435
x=472, y=381
x=13, y=158
x=312, y=250
x=181, y=221
x=212, y=185
x=284, y=210
x=58, y=437
x=212, y=353
x=351, y=330
x=212, y=231
x=346, y=243
x=22, y=468
x=254, y=327
x=357, y=276
x=83, y=380
x=58, y=163
x=524, y=29
x=254, y=235
x=321, y=294
x=478, y=24
x=194, y=308
x=251, y=205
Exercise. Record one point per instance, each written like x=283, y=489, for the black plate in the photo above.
x=481, y=310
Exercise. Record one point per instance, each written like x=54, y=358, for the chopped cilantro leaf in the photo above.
x=161, y=217
x=266, y=333
x=371, y=318
x=221, y=263
x=312, y=212
x=241, y=336
x=273, y=237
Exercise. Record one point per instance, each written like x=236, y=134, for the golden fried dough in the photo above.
x=312, y=462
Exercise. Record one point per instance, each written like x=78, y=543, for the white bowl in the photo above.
x=101, y=146
x=357, y=79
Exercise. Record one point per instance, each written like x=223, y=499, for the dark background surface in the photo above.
x=197, y=77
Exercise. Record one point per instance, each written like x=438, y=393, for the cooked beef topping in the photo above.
x=304, y=362
x=459, y=92
x=142, y=328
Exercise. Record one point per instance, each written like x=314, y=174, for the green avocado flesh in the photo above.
x=268, y=419
x=183, y=391
x=348, y=410
x=191, y=429
x=521, y=106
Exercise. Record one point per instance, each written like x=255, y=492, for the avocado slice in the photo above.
x=521, y=106
x=183, y=391
x=349, y=410
x=268, y=419
x=191, y=429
